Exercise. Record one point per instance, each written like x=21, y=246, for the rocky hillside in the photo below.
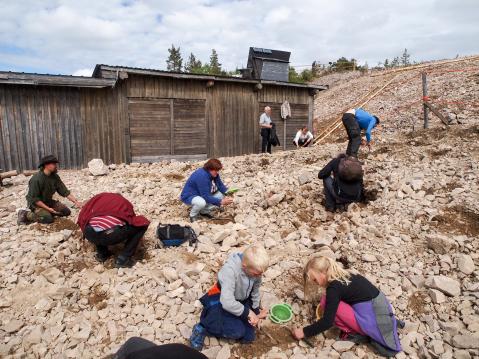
x=416, y=238
x=452, y=87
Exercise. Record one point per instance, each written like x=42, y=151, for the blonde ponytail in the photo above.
x=329, y=267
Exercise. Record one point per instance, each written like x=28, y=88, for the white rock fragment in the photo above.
x=97, y=167
x=224, y=353
x=465, y=264
x=13, y=326
x=445, y=284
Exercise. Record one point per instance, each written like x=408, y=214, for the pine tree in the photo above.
x=395, y=62
x=175, y=61
x=405, y=58
x=193, y=65
x=215, y=66
x=386, y=64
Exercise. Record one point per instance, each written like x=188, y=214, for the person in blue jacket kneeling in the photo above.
x=204, y=190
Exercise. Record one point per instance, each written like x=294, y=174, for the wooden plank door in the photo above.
x=190, y=135
x=150, y=129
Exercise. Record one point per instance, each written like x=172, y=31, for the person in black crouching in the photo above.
x=343, y=182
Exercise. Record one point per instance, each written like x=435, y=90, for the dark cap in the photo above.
x=47, y=159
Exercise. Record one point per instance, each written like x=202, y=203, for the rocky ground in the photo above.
x=416, y=238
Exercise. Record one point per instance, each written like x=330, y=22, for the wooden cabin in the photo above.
x=125, y=115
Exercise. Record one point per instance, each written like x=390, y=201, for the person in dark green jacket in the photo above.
x=41, y=188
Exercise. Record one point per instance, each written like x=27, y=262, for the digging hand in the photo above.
x=253, y=318
x=52, y=211
x=226, y=201
x=263, y=314
x=297, y=333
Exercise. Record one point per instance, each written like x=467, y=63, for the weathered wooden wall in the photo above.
x=36, y=121
x=74, y=124
x=233, y=119
x=78, y=124
x=103, y=117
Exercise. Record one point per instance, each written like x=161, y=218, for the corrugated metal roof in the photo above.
x=22, y=78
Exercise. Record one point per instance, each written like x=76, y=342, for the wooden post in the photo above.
x=424, y=99
x=172, y=128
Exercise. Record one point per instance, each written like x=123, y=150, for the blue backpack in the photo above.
x=174, y=235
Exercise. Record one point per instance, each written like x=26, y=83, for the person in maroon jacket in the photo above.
x=108, y=219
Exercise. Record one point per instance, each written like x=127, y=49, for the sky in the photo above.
x=71, y=37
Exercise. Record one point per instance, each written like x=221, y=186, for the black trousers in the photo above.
x=139, y=348
x=265, y=143
x=354, y=134
x=330, y=196
x=302, y=142
x=127, y=234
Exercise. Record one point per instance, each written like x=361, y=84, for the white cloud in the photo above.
x=83, y=72
x=61, y=36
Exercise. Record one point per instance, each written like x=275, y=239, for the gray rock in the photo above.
x=224, y=353
x=13, y=326
x=369, y=257
x=465, y=264
x=275, y=199
x=466, y=341
x=212, y=352
x=445, y=284
x=305, y=177
x=437, y=346
x=437, y=297
x=170, y=274
x=53, y=275
x=34, y=337
x=343, y=345
x=440, y=244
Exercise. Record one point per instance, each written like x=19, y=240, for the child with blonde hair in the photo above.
x=354, y=305
x=231, y=308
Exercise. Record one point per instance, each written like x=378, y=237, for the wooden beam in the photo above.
x=437, y=113
x=424, y=96
x=421, y=66
x=338, y=121
x=172, y=128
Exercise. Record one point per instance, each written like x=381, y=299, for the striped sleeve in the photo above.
x=105, y=222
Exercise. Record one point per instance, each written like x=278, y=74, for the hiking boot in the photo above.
x=208, y=215
x=103, y=256
x=124, y=262
x=194, y=218
x=22, y=217
x=355, y=338
x=197, y=338
x=382, y=350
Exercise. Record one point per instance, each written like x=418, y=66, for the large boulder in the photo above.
x=97, y=167
x=448, y=286
x=466, y=341
x=465, y=263
x=441, y=244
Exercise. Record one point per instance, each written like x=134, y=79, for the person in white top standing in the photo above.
x=303, y=137
x=265, y=125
